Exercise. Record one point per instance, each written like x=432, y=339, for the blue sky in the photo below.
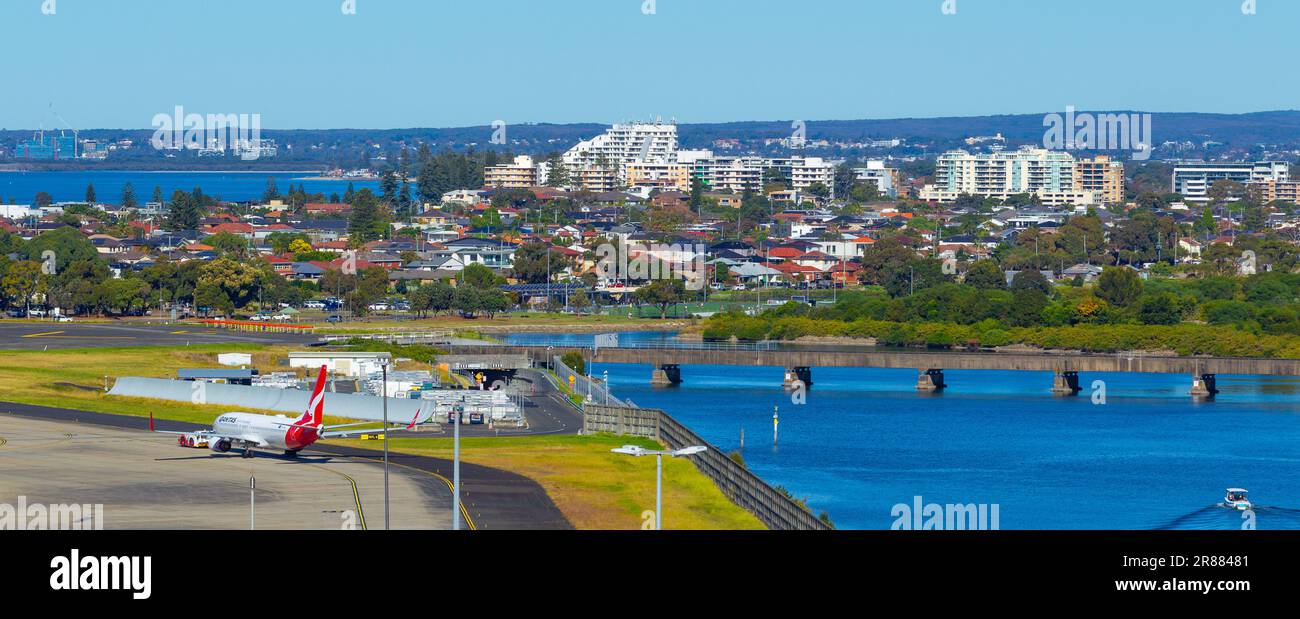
x=440, y=63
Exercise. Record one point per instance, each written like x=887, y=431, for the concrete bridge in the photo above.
x=1066, y=368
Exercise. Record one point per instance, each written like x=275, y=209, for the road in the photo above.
x=547, y=410
x=493, y=499
x=148, y=482
x=51, y=335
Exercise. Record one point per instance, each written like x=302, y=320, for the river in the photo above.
x=1146, y=456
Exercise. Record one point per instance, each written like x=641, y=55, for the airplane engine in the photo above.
x=220, y=445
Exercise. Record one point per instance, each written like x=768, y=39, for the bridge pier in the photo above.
x=930, y=380
x=797, y=375
x=1066, y=383
x=668, y=375
x=1204, y=386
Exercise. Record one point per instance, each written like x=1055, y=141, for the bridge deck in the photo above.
x=948, y=360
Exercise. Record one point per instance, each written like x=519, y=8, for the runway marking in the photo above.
x=356, y=496
x=67, y=436
x=463, y=510
x=54, y=336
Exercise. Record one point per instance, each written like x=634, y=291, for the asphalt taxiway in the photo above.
x=60, y=335
x=95, y=455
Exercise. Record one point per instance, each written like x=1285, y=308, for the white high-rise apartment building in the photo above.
x=627, y=143
x=740, y=174
x=1001, y=174
x=522, y=173
x=1193, y=180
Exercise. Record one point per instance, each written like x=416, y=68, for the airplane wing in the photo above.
x=359, y=431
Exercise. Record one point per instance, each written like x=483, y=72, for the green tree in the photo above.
x=575, y=361
x=128, y=196
x=1031, y=279
x=477, y=276
x=67, y=244
x=183, y=213
x=1160, y=309
x=228, y=244
x=1119, y=286
x=365, y=224
x=986, y=275
x=21, y=282
x=662, y=293
x=530, y=263
x=272, y=192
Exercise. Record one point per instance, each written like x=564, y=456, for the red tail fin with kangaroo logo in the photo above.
x=315, y=413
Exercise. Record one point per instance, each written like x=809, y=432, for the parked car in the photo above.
x=334, y=318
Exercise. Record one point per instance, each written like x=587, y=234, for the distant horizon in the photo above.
x=666, y=120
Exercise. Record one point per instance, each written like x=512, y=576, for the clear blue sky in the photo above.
x=440, y=63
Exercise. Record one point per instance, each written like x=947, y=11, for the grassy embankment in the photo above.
x=594, y=488
x=597, y=489
x=1187, y=339
x=523, y=321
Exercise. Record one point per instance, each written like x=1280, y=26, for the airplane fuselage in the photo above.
x=268, y=432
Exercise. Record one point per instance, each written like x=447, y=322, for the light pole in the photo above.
x=459, y=411
x=383, y=393
x=635, y=451
x=606, y=372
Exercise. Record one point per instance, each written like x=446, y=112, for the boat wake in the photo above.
x=1219, y=517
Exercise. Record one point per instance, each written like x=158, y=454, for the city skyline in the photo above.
x=832, y=59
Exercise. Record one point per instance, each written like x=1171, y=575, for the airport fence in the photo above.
x=774, y=508
x=583, y=385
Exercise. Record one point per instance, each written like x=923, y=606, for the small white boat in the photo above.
x=1236, y=498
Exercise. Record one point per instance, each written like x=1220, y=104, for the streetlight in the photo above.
x=606, y=372
x=635, y=451
x=383, y=394
x=458, y=411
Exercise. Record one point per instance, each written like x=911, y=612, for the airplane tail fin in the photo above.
x=315, y=413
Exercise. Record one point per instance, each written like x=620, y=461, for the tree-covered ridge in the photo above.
x=1223, y=316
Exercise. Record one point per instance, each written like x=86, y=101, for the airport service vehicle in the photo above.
x=195, y=440
x=1236, y=498
x=246, y=431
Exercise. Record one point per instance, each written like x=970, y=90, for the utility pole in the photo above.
x=455, y=469
x=252, y=503
x=383, y=393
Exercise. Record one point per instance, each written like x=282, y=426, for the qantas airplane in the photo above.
x=247, y=431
